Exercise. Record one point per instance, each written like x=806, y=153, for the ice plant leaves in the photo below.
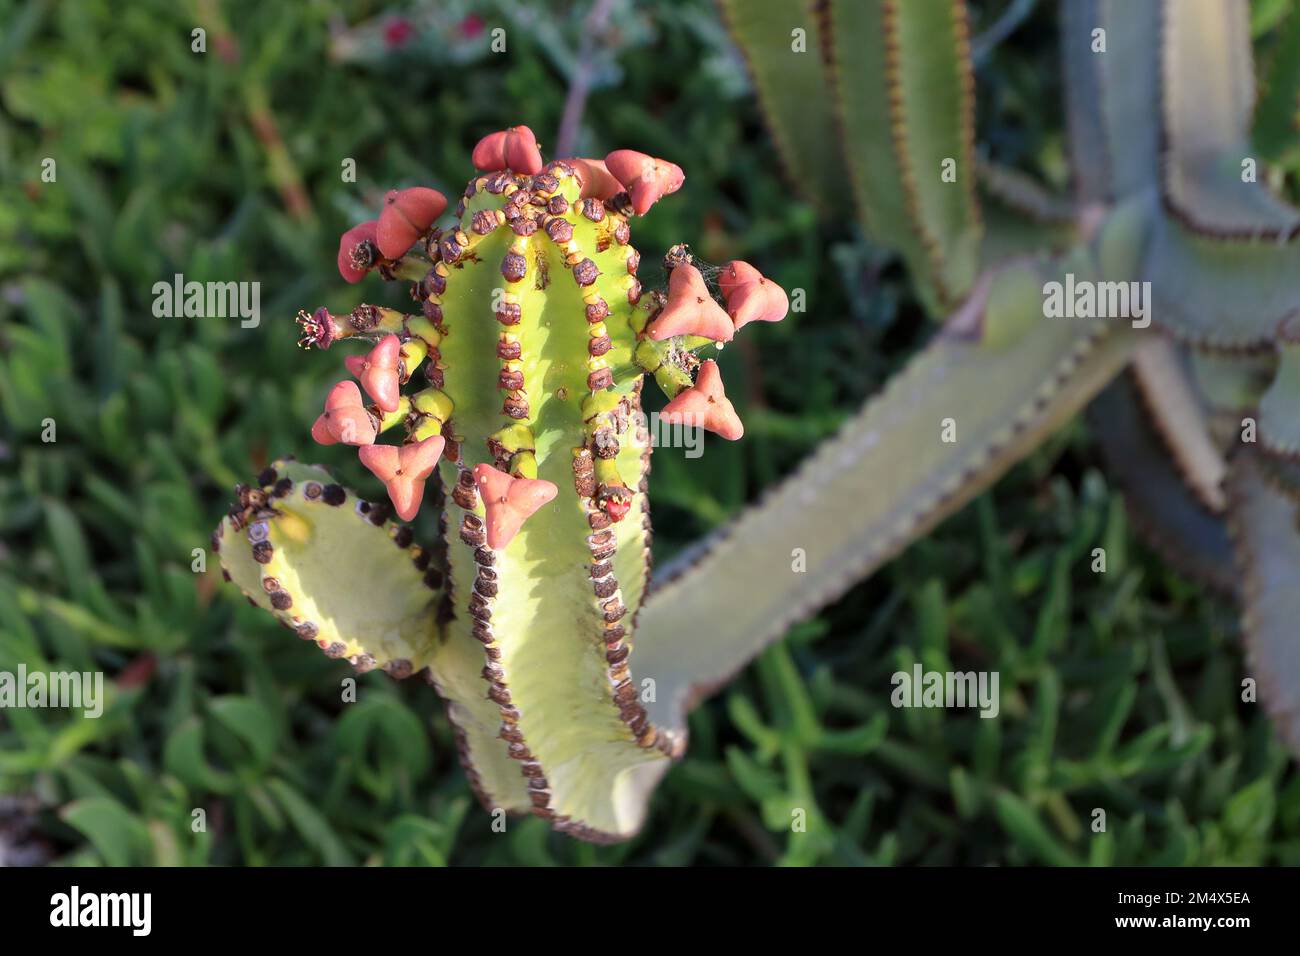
x=1277, y=112
x=333, y=568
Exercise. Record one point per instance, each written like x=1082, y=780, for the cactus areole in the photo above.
x=516, y=383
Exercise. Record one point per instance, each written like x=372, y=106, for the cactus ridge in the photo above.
x=567, y=286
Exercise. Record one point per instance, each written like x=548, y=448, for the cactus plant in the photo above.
x=532, y=341
x=535, y=338
x=1169, y=188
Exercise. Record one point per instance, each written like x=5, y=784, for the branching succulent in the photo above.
x=533, y=338
x=528, y=354
x=1168, y=189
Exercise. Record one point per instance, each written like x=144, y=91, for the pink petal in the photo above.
x=404, y=471
x=490, y=152
x=320, y=431
x=343, y=394
x=737, y=274
x=418, y=459
x=383, y=386
x=509, y=502
x=514, y=149
x=406, y=216
x=351, y=425
x=382, y=460
x=705, y=404
x=646, y=178
x=596, y=179
x=691, y=310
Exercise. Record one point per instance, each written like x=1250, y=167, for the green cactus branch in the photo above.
x=789, y=78
x=891, y=83
x=333, y=568
x=1022, y=218
x=905, y=102
x=1112, y=88
x=1161, y=506
x=1209, y=99
x=1268, y=550
x=1226, y=239
x=1215, y=244
x=1179, y=417
x=886, y=479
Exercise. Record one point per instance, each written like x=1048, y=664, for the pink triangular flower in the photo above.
x=595, y=178
x=404, y=469
x=735, y=275
x=345, y=419
x=705, y=404
x=377, y=372
x=646, y=178
x=509, y=502
x=690, y=310
x=750, y=296
x=407, y=215
x=514, y=149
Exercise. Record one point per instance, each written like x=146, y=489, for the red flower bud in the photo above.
x=407, y=215
x=514, y=149
x=358, y=251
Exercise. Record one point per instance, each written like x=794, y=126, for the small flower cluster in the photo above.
x=403, y=242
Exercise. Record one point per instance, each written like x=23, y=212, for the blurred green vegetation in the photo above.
x=1120, y=690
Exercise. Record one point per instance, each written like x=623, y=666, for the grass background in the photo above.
x=1120, y=690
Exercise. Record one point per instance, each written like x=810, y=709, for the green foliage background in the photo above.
x=1120, y=690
